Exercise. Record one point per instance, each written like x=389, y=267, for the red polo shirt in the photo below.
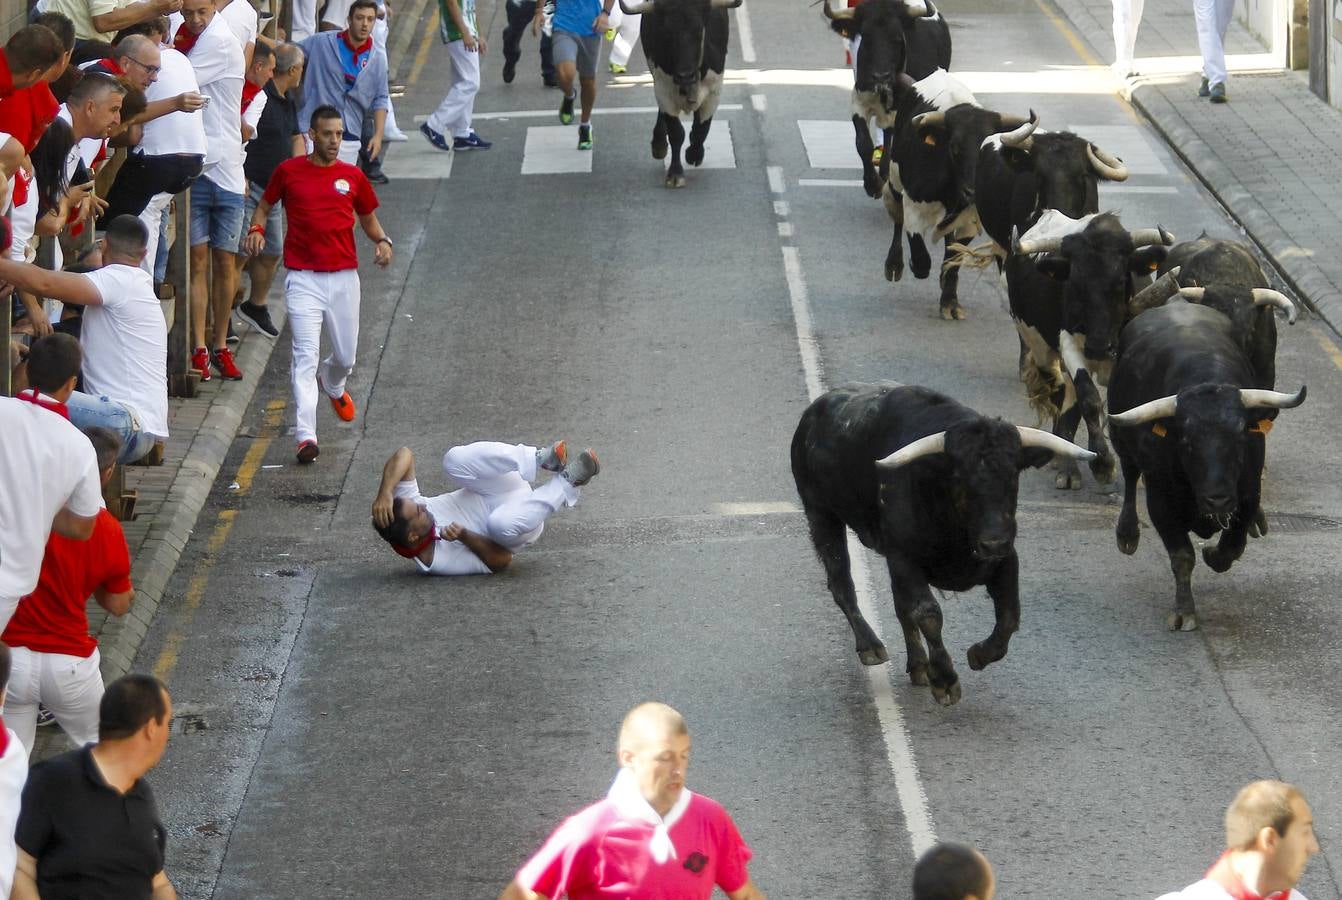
x=27, y=112
x=6, y=76
x=52, y=619
x=321, y=203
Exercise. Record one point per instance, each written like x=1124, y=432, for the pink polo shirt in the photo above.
x=600, y=855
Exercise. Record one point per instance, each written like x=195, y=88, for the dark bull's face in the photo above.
x=1063, y=176
x=950, y=148
x=1211, y=428
x=882, y=54
x=986, y=458
x=684, y=25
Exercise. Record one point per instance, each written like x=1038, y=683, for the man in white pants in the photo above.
x=1213, y=18
x=449, y=128
x=623, y=35
x=475, y=530
x=1127, y=19
x=323, y=197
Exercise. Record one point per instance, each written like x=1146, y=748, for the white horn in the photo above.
x=1155, y=293
x=1147, y=412
x=1106, y=166
x=924, y=446
x=725, y=4
x=936, y=117
x=1042, y=245
x=829, y=13
x=1269, y=297
x=917, y=9
x=1034, y=437
x=1194, y=294
x=1257, y=399
x=1021, y=137
x=1158, y=235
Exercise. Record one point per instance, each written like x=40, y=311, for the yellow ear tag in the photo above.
x=1262, y=426
x=929, y=140
x=1152, y=266
x=1158, y=430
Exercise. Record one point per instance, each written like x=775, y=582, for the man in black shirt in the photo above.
x=89, y=828
x=278, y=137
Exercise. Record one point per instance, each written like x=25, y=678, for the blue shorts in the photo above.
x=216, y=216
x=274, y=245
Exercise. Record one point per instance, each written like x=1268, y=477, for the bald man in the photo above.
x=953, y=872
x=651, y=838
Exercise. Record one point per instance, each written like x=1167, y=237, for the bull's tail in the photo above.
x=1041, y=386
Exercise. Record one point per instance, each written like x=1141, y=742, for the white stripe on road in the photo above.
x=801, y=313
x=719, y=152
x=829, y=182
x=418, y=159
x=760, y=102
x=829, y=143
x=1110, y=188
x=767, y=507
x=553, y=149
x=777, y=184
x=743, y=31
x=504, y=115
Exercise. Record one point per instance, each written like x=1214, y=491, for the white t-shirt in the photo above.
x=13, y=776
x=219, y=66
x=125, y=343
x=469, y=510
x=1206, y=889
x=252, y=114
x=22, y=223
x=45, y=463
x=177, y=132
x=242, y=21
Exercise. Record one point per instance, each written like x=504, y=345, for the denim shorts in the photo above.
x=216, y=216
x=581, y=49
x=87, y=410
x=274, y=245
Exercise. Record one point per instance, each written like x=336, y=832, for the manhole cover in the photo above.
x=1300, y=522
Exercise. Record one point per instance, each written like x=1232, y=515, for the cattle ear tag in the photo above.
x=1158, y=430
x=1152, y=266
x=930, y=140
x=1262, y=426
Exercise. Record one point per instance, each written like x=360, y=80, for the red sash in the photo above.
x=1223, y=874
x=32, y=396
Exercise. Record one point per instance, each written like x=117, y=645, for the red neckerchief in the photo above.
x=110, y=66
x=22, y=180
x=32, y=396
x=362, y=48
x=415, y=551
x=249, y=92
x=4, y=737
x=1225, y=875
x=184, y=40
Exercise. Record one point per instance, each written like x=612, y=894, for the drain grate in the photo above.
x=1298, y=522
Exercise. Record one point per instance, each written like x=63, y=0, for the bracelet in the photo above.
x=257, y=229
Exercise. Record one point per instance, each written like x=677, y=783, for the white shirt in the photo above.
x=252, y=114
x=125, y=343
x=177, y=132
x=1206, y=889
x=242, y=21
x=13, y=776
x=45, y=464
x=219, y=66
x=469, y=510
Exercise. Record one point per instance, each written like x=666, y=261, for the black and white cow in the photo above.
x=1186, y=417
x=896, y=42
x=685, y=42
x=1070, y=283
x=931, y=486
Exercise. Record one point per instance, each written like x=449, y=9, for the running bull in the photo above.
x=685, y=42
x=1186, y=416
x=931, y=486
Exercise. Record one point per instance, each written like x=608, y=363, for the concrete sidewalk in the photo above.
x=1270, y=155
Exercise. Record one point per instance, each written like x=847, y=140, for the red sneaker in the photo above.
x=307, y=452
x=200, y=361
x=343, y=405
x=223, y=361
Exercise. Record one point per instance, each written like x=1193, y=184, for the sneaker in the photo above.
x=617, y=69
x=232, y=335
x=1218, y=92
x=610, y=34
x=434, y=137
x=1204, y=89
x=343, y=405
x=471, y=141
x=44, y=716
x=549, y=81
x=200, y=361
x=509, y=70
x=307, y=452
x=258, y=317
x=394, y=135
x=585, y=137
x=375, y=175
x=552, y=458
x=566, y=110
x=222, y=359
x=583, y=469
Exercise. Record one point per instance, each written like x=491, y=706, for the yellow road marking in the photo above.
x=1334, y=353
x=422, y=54
x=1070, y=34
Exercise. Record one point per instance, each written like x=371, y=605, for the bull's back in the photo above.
x=1175, y=346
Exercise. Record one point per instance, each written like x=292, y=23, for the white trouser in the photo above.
x=501, y=474
x=315, y=301
x=70, y=686
x=626, y=35
x=453, y=116
x=380, y=31
x=1127, y=19
x=1213, y=18
x=152, y=217
x=349, y=152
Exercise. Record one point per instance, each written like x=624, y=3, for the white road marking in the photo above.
x=553, y=149
x=829, y=143
x=418, y=159
x=807, y=345
x=785, y=229
x=829, y=182
x=1128, y=142
x=777, y=184
x=745, y=34
x=505, y=115
x=719, y=152
x=768, y=507
x=760, y=102
x=781, y=209
x=1108, y=187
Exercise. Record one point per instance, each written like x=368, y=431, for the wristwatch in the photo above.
x=388, y=241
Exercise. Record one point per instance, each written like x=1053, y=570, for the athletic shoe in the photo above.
x=471, y=141
x=1204, y=89
x=583, y=469
x=566, y=110
x=549, y=81
x=434, y=137
x=617, y=69
x=307, y=452
x=552, y=458
x=376, y=176
x=393, y=135
x=610, y=34
x=585, y=137
x=343, y=405
x=222, y=359
x=200, y=361
x=258, y=317
x=509, y=70
x=1218, y=92
x=232, y=335
x=44, y=716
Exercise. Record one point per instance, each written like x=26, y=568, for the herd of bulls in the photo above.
x=1188, y=359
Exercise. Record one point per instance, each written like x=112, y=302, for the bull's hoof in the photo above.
x=893, y=273
x=1258, y=527
x=1216, y=560
x=953, y=313
x=1127, y=531
x=873, y=656
x=1127, y=543
x=919, y=268
x=675, y=181
x=979, y=657
x=659, y=149
x=1177, y=621
x=871, y=183
x=694, y=154
x=918, y=675
x=1104, y=469
x=1067, y=480
x=947, y=696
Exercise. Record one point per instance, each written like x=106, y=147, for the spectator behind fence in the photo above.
x=48, y=471
x=244, y=23
x=1269, y=840
x=952, y=872
x=254, y=98
x=93, y=111
x=13, y=775
x=100, y=19
x=28, y=57
x=278, y=137
x=216, y=197
x=89, y=827
x=124, y=338
x=26, y=113
x=54, y=660
x=333, y=58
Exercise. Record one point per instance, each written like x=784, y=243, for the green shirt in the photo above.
x=447, y=28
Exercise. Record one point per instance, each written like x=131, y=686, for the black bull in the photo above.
x=1185, y=416
x=931, y=486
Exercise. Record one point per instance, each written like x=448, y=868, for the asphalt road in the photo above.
x=347, y=728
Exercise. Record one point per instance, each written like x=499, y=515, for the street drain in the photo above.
x=1298, y=522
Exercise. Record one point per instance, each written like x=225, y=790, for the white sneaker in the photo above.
x=394, y=135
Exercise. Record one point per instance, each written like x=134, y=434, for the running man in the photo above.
x=496, y=512
x=576, y=46
x=322, y=197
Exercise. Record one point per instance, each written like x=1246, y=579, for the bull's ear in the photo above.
x=931, y=135
x=1017, y=160
x=1147, y=259
x=1054, y=265
x=845, y=26
x=1033, y=457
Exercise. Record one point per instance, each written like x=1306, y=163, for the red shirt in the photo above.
x=52, y=619
x=6, y=76
x=321, y=203
x=27, y=112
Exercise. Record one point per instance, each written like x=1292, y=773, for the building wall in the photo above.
x=13, y=16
